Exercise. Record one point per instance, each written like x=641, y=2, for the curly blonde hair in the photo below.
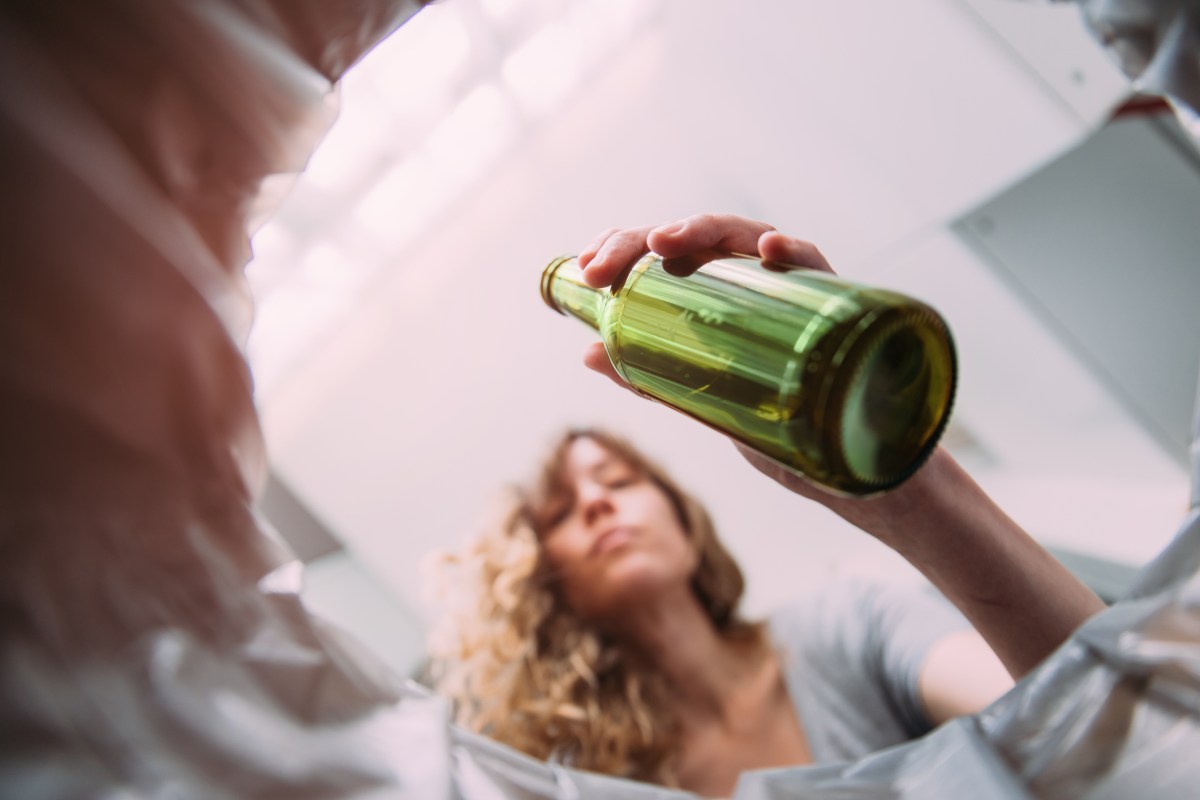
x=526, y=671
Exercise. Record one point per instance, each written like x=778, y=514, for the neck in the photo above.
x=699, y=664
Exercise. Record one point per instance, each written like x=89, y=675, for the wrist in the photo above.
x=906, y=517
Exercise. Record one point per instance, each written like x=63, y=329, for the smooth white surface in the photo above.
x=340, y=588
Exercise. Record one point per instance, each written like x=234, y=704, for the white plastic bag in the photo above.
x=154, y=644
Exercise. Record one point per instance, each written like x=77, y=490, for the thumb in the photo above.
x=595, y=357
x=787, y=250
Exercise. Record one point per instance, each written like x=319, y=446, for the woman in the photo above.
x=606, y=635
x=620, y=650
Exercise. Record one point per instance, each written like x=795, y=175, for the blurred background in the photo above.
x=982, y=155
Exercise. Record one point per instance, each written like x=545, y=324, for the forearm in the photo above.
x=1019, y=597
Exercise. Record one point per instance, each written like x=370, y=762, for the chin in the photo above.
x=634, y=588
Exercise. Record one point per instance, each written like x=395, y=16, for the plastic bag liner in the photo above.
x=1157, y=45
x=154, y=644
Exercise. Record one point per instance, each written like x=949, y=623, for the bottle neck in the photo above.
x=563, y=290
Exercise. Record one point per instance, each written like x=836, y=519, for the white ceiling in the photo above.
x=397, y=410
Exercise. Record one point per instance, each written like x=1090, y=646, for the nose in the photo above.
x=596, y=502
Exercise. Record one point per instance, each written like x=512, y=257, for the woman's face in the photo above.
x=619, y=543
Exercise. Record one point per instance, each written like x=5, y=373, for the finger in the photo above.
x=686, y=265
x=596, y=358
x=700, y=238
x=593, y=247
x=789, y=251
x=618, y=252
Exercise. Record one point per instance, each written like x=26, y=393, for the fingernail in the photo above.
x=671, y=229
x=589, y=277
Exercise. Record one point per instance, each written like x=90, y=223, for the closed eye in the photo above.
x=555, y=515
x=618, y=477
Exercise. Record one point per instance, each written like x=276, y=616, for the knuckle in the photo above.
x=630, y=238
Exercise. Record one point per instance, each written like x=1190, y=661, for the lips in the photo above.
x=611, y=539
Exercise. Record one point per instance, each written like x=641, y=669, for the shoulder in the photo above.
x=863, y=618
x=827, y=626
x=827, y=610
x=854, y=651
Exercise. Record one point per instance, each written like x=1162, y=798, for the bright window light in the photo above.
x=603, y=22
x=545, y=68
x=404, y=201
x=338, y=162
x=419, y=64
x=499, y=9
x=479, y=129
x=329, y=270
x=505, y=10
x=425, y=118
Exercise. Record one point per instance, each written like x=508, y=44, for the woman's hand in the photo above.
x=685, y=246
x=689, y=243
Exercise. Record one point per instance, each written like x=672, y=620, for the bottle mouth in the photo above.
x=895, y=399
x=548, y=279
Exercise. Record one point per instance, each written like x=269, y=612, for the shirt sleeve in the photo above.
x=903, y=623
x=854, y=652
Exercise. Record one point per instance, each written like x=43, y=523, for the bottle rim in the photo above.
x=854, y=369
x=548, y=278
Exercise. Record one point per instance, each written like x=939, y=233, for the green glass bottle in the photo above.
x=849, y=385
